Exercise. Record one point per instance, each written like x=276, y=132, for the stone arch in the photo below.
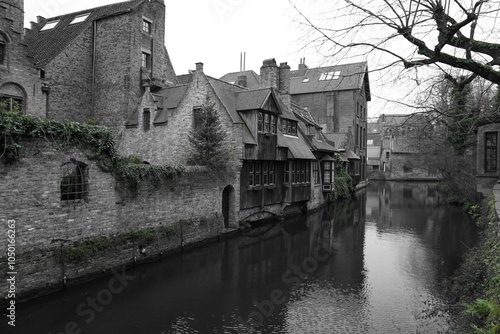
x=11, y=92
x=229, y=206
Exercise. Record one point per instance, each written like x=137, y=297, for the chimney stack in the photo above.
x=284, y=78
x=242, y=81
x=199, y=67
x=269, y=74
x=302, y=67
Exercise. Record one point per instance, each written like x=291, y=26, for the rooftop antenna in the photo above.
x=243, y=60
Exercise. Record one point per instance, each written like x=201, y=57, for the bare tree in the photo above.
x=446, y=34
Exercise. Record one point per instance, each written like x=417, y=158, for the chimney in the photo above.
x=242, y=81
x=269, y=74
x=302, y=67
x=39, y=19
x=284, y=78
x=199, y=67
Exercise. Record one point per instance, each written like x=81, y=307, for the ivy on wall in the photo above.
x=14, y=127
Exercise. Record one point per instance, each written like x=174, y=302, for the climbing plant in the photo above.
x=343, y=181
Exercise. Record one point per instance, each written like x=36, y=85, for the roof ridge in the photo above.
x=94, y=8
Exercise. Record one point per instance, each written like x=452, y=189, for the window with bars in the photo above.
x=74, y=181
x=491, y=151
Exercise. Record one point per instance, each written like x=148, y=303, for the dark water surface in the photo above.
x=372, y=265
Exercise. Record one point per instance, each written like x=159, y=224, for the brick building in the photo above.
x=96, y=61
x=279, y=157
x=20, y=81
x=337, y=96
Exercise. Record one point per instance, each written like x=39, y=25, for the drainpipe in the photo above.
x=94, y=34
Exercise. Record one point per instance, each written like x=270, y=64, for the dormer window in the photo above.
x=289, y=127
x=80, y=18
x=332, y=75
x=147, y=26
x=49, y=25
x=305, y=80
x=267, y=123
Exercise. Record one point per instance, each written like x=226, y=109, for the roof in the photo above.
x=297, y=146
x=185, y=79
x=253, y=79
x=172, y=96
x=252, y=99
x=45, y=45
x=352, y=156
x=226, y=94
x=350, y=77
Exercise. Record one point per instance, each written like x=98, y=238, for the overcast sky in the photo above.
x=215, y=32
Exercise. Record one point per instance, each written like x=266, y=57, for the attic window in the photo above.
x=332, y=75
x=49, y=25
x=305, y=80
x=80, y=18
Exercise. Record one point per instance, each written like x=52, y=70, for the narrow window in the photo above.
x=266, y=123
x=308, y=172
x=146, y=60
x=327, y=172
x=74, y=181
x=294, y=166
x=197, y=118
x=387, y=154
x=260, y=122
x=265, y=173
x=287, y=172
x=251, y=173
x=288, y=127
x=146, y=26
x=271, y=173
x=491, y=151
x=2, y=50
x=283, y=125
x=257, y=173
x=315, y=167
x=274, y=128
x=146, y=119
x=293, y=128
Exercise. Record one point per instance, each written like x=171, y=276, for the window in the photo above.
x=257, y=173
x=308, y=172
x=289, y=127
x=315, y=168
x=11, y=103
x=74, y=181
x=49, y=25
x=146, y=119
x=332, y=75
x=197, y=119
x=3, y=49
x=272, y=179
x=267, y=123
x=146, y=26
x=491, y=151
x=265, y=173
x=146, y=60
x=80, y=18
x=251, y=174
x=305, y=80
x=327, y=172
x=387, y=154
x=287, y=172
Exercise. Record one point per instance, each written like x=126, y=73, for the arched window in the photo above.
x=12, y=97
x=3, y=49
x=74, y=181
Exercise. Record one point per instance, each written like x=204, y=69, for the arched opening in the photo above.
x=228, y=209
x=13, y=97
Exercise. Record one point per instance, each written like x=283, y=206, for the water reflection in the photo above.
x=370, y=265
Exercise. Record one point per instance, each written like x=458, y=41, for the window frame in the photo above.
x=146, y=119
x=3, y=51
x=146, y=59
x=77, y=188
x=491, y=152
x=147, y=26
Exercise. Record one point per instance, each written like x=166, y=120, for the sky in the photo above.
x=216, y=32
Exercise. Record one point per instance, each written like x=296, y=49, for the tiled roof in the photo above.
x=227, y=94
x=45, y=45
x=253, y=80
x=185, y=79
x=351, y=76
x=252, y=99
x=172, y=97
x=297, y=146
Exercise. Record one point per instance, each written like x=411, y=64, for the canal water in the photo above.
x=375, y=264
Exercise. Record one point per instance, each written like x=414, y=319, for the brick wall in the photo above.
x=191, y=204
x=17, y=73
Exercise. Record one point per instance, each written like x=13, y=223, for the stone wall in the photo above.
x=160, y=218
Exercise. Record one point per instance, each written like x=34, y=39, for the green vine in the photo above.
x=343, y=182
x=14, y=127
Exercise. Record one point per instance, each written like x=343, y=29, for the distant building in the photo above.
x=488, y=158
x=373, y=150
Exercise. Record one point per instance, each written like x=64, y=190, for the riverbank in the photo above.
x=477, y=282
